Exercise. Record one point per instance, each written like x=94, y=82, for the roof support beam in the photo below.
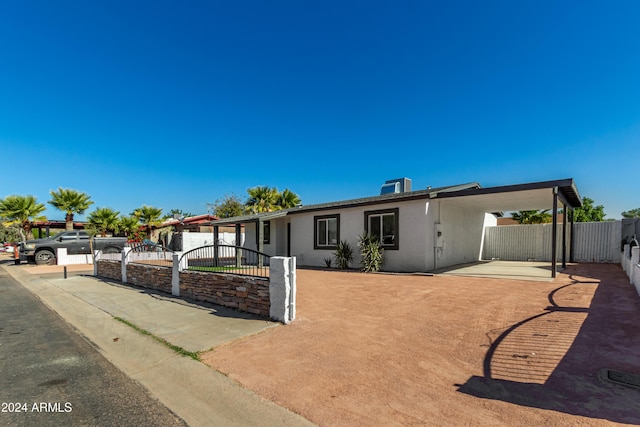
x=564, y=235
x=260, y=242
x=238, y=244
x=554, y=233
x=571, y=258
x=216, y=240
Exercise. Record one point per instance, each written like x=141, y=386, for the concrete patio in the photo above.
x=516, y=270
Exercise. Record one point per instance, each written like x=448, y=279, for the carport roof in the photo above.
x=531, y=196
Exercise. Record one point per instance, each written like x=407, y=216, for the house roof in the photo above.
x=197, y=219
x=530, y=196
x=364, y=201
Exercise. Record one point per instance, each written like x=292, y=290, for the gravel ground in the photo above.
x=374, y=349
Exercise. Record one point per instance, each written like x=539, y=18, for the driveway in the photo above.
x=374, y=349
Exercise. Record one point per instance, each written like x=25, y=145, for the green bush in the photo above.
x=343, y=254
x=371, y=252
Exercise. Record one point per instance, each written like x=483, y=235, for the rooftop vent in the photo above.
x=400, y=185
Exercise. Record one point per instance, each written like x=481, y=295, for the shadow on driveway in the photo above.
x=554, y=359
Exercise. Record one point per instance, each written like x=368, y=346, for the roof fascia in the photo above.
x=519, y=187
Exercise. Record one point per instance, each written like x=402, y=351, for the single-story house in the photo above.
x=420, y=231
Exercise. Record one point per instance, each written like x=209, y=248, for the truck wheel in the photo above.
x=111, y=250
x=45, y=257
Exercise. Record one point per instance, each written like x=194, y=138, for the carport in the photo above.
x=546, y=195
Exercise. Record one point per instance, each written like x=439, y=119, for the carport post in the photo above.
x=564, y=235
x=572, y=230
x=554, y=233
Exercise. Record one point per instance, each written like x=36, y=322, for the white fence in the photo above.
x=630, y=265
x=593, y=242
x=521, y=243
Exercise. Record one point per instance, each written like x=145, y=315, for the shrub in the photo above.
x=371, y=252
x=327, y=262
x=343, y=254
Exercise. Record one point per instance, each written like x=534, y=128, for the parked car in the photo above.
x=7, y=247
x=43, y=251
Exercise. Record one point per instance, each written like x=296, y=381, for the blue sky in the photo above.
x=176, y=104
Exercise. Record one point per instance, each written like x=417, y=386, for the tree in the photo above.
x=173, y=212
x=148, y=216
x=71, y=202
x=633, y=213
x=262, y=199
x=227, y=207
x=9, y=233
x=288, y=199
x=532, y=217
x=129, y=225
x=103, y=220
x=21, y=211
x=588, y=212
x=267, y=199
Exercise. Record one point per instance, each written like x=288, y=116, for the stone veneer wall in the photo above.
x=149, y=276
x=110, y=269
x=248, y=294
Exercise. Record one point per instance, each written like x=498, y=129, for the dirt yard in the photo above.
x=412, y=350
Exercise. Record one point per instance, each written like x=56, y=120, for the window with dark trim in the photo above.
x=384, y=224
x=326, y=231
x=266, y=232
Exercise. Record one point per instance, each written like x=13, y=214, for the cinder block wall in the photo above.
x=110, y=269
x=247, y=294
x=149, y=276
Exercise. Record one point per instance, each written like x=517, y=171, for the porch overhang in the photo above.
x=257, y=219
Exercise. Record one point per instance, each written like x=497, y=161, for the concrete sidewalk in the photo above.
x=198, y=394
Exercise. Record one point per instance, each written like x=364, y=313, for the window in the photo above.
x=266, y=232
x=326, y=230
x=384, y=224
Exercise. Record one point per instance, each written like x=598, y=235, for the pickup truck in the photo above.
x=43, y=251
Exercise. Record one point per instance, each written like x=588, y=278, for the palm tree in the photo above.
x=149, y=217
x=103, y=220
x=288, y=199
x=129, y=225
x=71, y=202
x=21, y=211
x=262, y=199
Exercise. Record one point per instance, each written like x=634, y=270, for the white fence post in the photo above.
x=175, y=275
x=123, y=262
x=292, y=292
x=96, y=256
x=61, y=256
x=280, y=295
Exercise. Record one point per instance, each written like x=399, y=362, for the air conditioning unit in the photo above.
x=400, y=185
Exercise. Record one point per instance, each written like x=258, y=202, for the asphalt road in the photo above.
x=50, y=376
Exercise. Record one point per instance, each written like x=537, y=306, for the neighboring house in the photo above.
x=198, y=223
x=420, y=231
